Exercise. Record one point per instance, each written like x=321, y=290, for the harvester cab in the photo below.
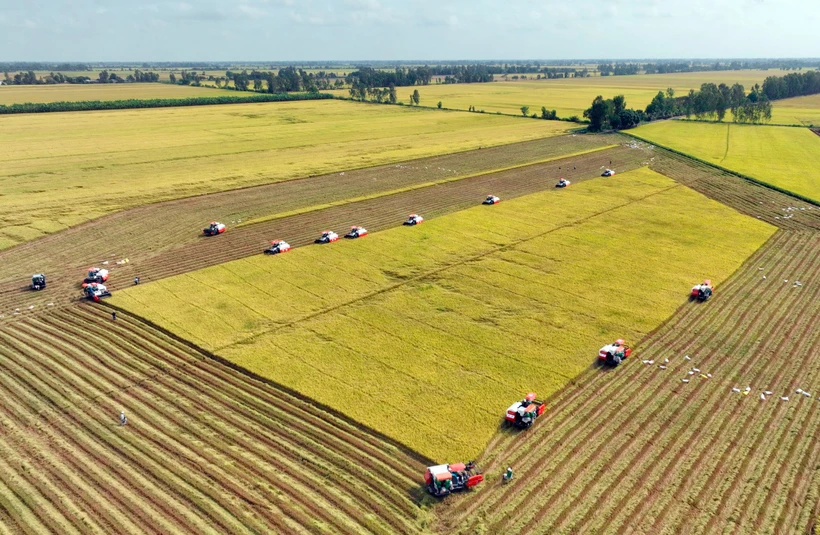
x=614, y=353
x=563, y=183
x=356, y=232
x=491, y=199
x=702, y=292
x=214, y=228
x=278, y=246
x=443, y=479
x=96, y=274
x=414, y=219
x=522, y=414
x=38, y=282
x=96, y=291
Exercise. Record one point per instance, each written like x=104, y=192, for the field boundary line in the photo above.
x=727, y=170
x=205, y=354
x=352, y=200
x=457, y=263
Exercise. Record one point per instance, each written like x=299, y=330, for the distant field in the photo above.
x=799, y=110
x=18, y=94
x=569, y=96
x=782, y=156
x=413, y=329
x=60, y=169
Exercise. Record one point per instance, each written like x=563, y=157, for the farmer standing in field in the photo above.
x=114, y=315
x=123, y=418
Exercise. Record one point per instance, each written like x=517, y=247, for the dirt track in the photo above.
x=206, y=449
x=637, y=450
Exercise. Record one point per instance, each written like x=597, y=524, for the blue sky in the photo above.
x=261, y=30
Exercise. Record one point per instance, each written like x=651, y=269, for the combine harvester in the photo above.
x=356, y=232
x=214, y=229
x=608, y=172
x=522, y=414
x=95, y=291
x=614, y=353
x=702, y=292
x=414, y=219
x=491, y=199
x=443, y=479
x=38, y=282
x=277, y=246
x=328, y=236
x=96, y=274
x=563, y=183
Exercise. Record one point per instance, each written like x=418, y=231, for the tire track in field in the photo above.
x=614, y=504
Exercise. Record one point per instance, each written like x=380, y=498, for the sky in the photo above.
x=315, y=30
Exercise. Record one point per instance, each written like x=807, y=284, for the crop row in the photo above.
x=206, y=448
x=638, y=450
x=166, y=258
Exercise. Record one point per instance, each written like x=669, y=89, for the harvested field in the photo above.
x=206, y=449
x=447, y=314
x=166, y=239
x=638, y=450
x=58, y=170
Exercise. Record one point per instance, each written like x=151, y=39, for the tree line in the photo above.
x=287, y=79
x=31, y=78
x=45, y=107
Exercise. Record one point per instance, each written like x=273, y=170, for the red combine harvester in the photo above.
x=96, y=274
x=213, y=229
x=277, y=247
x=414, y=219
x=563, y=183
x=491, y=199
x=356, y=232
x=328, y=236
x=614, y=353
x=702, y=292
x=95, y=291
x=522, y=414
x=443, y=479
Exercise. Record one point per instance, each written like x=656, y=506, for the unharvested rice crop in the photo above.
x=798, y=110
x=60, y=169
x=428, y=333
x=782, y=156
x=569, y=96
x=19, y=94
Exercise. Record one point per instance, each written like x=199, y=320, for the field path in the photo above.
x=638, y=450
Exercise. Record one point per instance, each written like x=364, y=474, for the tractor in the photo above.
x=327, y=236
x=522, y=414
x=608, y=172
x=563, y=183
x=614, y=353
x=491, y=199
x=96, y=291
x=213, y=229
x=443, y=479
x=96, y=274
x=356, y=232
x=277, y=246
x=702, y=292
x=38, y=282
x=414, y=219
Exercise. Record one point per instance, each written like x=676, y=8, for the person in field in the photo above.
x=114, y=316
x=123, y=418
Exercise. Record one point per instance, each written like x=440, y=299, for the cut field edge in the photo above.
x=119, y=212
x=727, y=170
x=205, y=354
x=414, y=187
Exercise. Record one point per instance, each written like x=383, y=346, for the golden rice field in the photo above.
x=779, y=155
x=428, y=333
x=798, y=110
x=60, y=169
x=18, y=94
x=570, y=96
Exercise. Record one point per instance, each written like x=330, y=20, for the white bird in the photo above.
x=785, y=398
x=762, y=397
x=768, y=392
x=695, y=370
x=748, y=388
x=764, y=277
x=666, y=360
x=799, y=390
x=709, y=375
x=662, y=367
x=806, y=394
x=691, y=373
x=736, y=390
x=685, y=380
x=687, y=357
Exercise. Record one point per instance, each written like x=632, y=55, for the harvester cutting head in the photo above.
x=614, y=353
x=443, y=479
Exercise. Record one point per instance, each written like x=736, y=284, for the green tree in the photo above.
x=439, y=104
x=103, y=77
x=598, y=113
x=172, y=78
x=618, y=104
x=416, y=97
x=392, y=95
x=525, y=110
